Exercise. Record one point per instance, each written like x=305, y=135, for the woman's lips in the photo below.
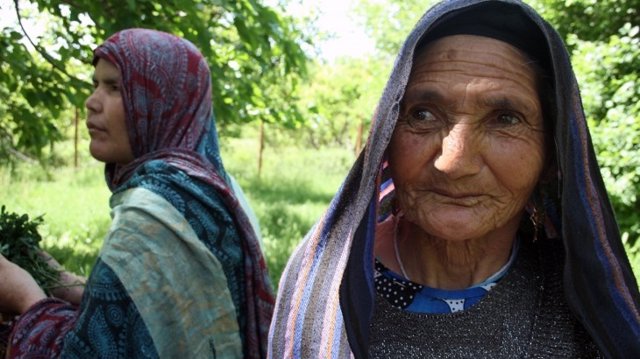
x=93, y=128
x=458, y=198
x=455, y=195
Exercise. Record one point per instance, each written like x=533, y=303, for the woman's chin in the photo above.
x=96, y=153
x=455, y=232
x=466, y=225
x=456, y=226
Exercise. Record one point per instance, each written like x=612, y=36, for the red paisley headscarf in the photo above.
x=166, y=91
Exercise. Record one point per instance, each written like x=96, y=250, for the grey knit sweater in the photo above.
x=524, y=316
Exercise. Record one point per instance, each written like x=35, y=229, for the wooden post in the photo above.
x=261, y=147
x=75, y=141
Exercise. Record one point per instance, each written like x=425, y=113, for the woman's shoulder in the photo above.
x=142, y=210
x=178, y=188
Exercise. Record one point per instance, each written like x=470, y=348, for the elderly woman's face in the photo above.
x=468, y=148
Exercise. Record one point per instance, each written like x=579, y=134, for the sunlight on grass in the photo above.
x=73, y=203
x=293, y=190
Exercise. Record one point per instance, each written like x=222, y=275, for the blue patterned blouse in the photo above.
x=405, y=294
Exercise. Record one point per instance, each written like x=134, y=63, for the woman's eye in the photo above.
x=423, y=120
x=423, y=116
x=508, y=119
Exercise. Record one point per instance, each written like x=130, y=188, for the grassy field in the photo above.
x=292, y=192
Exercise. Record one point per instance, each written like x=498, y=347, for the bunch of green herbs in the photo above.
x=20, y=243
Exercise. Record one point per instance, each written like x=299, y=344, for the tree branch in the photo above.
x=40, y=50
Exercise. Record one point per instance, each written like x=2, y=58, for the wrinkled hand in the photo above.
x=71, y=285
x=18, y=289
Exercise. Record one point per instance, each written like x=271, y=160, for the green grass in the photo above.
x=291, y=193
x=74, y=206
x=293, y=190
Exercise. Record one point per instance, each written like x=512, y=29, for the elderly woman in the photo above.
x=475, y=222
x=180, y=274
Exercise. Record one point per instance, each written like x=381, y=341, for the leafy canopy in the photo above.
x=251, y=49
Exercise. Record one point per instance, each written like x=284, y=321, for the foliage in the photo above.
x=254, y=54
x=613, y=109
x=20, y=243
x=591, y=20
x=33, y=96
x=604, y=37
x=339, y=98
x=389, y=22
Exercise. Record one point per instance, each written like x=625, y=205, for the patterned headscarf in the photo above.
x=326, y=293
x=166, y=91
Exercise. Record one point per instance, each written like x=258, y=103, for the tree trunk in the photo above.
x=75, y=141
x=261, y=147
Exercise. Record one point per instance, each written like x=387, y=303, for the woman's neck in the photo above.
x=451, y=264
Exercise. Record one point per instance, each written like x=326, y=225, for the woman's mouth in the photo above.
x=458, y=198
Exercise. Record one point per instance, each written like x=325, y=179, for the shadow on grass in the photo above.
x=79, y=262
x=77, y=249
x=282, y=229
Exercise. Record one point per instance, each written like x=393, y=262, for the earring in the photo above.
x=537, y=216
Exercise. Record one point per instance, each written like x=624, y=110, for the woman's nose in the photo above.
x=460, y=153
x=92, y=103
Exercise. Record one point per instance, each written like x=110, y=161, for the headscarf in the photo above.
x=326, y=294
x=166, y=92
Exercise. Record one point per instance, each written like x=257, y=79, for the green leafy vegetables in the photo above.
x=19, y=243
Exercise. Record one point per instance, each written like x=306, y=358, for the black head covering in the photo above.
x=500, y=21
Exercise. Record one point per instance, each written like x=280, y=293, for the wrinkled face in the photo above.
x=468, y=148
x=106, y=121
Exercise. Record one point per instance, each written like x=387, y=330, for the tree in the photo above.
x=604, y=36
x=32, y=96
x=340, y=96
x=249, y=47
x=339, y=100
x=389, y=22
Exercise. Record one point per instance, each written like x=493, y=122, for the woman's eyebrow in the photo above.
x=507, y=103
x=426, y=95
x=107, y=81
x=496, y=101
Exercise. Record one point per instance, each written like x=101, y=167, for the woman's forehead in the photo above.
x=468, y=60
x=470, y=48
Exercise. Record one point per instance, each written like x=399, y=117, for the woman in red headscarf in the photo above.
x=180, y=273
